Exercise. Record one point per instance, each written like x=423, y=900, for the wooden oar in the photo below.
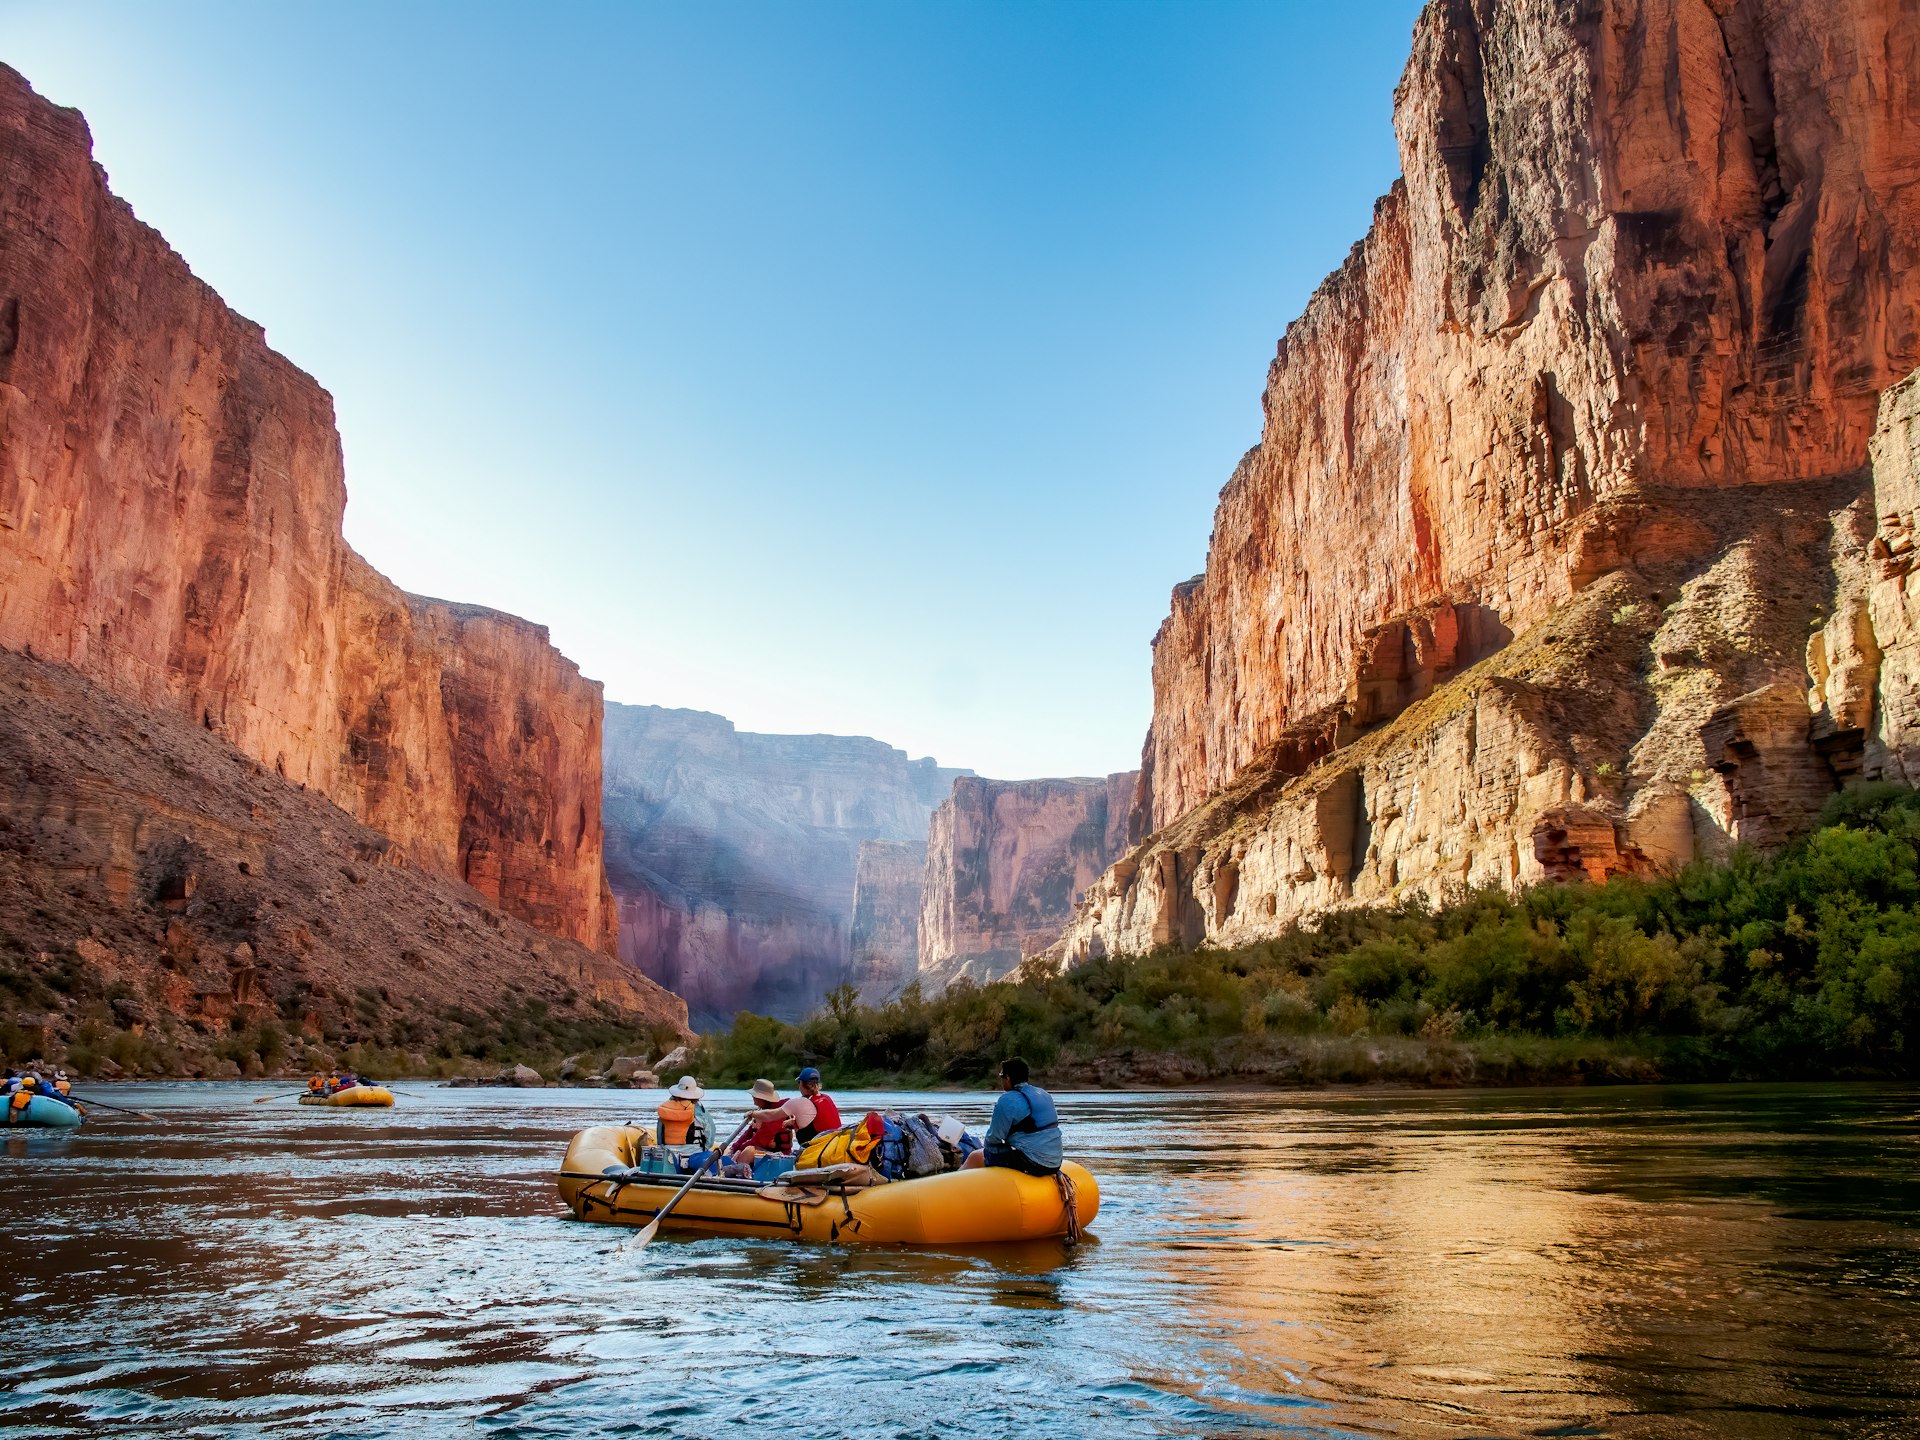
x=640, y=1241
x=141, y=1114
x=294, y=1096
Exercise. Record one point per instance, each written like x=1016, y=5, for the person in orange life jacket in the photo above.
x=826, y=1114
x=1024, y=1134
x=774, y=1121
x=316, y=1085
x=62, y=1086
x=681, y=1118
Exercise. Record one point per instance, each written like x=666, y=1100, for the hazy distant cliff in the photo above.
x=1006, y=859
x=734, y=856
x=1559, y=472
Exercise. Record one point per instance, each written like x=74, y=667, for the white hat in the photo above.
x=688, y=1088
x=951, y=1130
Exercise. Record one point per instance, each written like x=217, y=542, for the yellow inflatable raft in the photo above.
x=961, y=1207
x=352, y=1095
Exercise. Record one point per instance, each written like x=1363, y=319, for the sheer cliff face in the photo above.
x=171, y=495
x=735, y=856
x=885, y=938
x=1006, y=860
x=1640, y=246
x=1559, y=473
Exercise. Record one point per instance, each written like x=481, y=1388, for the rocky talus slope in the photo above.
x=1006, y=860
x=158, y=886
x=1561, y=473
x=171, y=494
x=735, y=857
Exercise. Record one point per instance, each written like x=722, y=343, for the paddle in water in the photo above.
x=294, y=1096
x=103, y=1105
x=640, y=1241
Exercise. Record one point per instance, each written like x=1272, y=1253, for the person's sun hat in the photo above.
x=688, y=1088
x=763, y=1090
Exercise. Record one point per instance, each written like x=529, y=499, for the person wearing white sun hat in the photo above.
x=682, y=1118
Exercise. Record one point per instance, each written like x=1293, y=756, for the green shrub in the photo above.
x=1801, y=963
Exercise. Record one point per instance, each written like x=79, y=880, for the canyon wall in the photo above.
x=1006, y=860
x=1639, y=246
x=161, y=891
x=889, y=877
x=735, y=856
x=1558, y=474
x=171, y=496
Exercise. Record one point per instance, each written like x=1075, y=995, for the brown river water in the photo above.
x=1725, y=1261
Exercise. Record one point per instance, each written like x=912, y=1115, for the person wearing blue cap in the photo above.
x=826, y=1114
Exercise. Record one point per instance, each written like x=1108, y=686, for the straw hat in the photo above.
x=763, y=1090
x=688, y=1088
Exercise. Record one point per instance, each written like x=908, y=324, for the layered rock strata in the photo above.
x=1006, y=861
x=1639, y=246
x=159, y=886
x=735, y=856
x=1603, y=377
x=171, y=496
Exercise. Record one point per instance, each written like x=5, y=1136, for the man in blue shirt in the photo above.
x=1025, y=1132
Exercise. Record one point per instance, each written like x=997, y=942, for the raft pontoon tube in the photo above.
x=43, y=1110
x=352, y=1095
x=960, y=1207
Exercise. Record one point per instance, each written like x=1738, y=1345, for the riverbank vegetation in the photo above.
x=1800, y=964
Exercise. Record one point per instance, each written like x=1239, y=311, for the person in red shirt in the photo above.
x=774, y=1123
x=826, y=1114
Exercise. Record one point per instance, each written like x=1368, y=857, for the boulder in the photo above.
x=624, y=1068
x=674, y=1059
x=523, y=1076
x=568, y=1068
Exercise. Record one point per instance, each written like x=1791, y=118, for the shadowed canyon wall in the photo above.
x=171, y=496
x=735, y=857
x=1006, y=860
x=1558, y=473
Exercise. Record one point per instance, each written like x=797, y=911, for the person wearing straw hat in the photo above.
x=774, y=1121
x=681, y=1118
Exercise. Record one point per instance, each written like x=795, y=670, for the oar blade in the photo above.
x=641, y=1240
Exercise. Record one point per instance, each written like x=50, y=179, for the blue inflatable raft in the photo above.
x=43, y=1110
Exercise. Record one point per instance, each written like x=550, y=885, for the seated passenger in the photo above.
x=1025, y=1133
x=316, y=1085
x=774, y=1121
x=826, y=1114
x=681, y=1118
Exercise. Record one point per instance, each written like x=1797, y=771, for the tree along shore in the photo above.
x=1801, y=964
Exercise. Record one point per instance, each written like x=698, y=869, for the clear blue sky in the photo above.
x=860, y=368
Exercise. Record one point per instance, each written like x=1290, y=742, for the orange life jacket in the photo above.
x=676, y=1120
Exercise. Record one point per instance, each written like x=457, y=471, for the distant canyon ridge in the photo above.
x=756, y=872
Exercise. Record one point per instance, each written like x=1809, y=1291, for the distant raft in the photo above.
x=43, y=1110
x=352, y=1095
x=957, y=1208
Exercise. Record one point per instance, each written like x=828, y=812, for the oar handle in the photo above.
x=694, y=1178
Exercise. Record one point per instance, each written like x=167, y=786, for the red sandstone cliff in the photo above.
x=1558, y=473
x=171, y=496
x=1006, y=860
x=1639, y=245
